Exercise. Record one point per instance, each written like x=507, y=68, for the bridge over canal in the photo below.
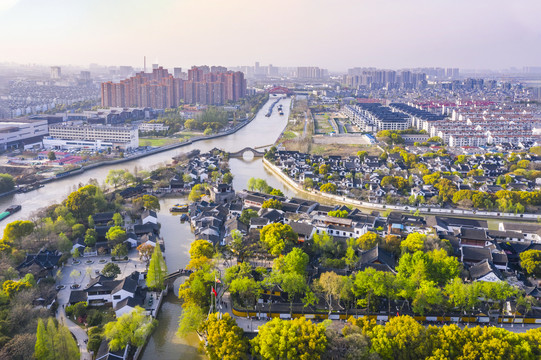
x=241, y=153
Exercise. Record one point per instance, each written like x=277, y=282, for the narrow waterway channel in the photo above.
x=262, y=131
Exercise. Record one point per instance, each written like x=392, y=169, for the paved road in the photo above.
x=77, y=331
x=305, y=123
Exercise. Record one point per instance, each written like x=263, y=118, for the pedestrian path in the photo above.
x=80, y=334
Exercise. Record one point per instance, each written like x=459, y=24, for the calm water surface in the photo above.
x=262, y=131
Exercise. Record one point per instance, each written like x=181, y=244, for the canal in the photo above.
x=261, y=131
x=164, y=344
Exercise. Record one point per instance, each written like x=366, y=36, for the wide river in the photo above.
x=164, y=344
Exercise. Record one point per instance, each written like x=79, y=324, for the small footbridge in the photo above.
x=241, y=153
x=170, y=279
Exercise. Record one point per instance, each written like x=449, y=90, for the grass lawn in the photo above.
x=342, y=149
x=155, y=142
x=288, y=135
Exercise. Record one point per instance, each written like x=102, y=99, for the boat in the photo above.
x=179, y=208
x=184, y=218
x=10, y=211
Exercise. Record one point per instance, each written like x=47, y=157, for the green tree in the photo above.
x=276, y=192
x=114, y=177
x=81, y=203
x=328, y=188
x=42, y=348
x=364, y=287
x=77, y=230
x=6, y=183
x=324, y=169
x=385, y=286
x=262, y=186
x=196, y=289
x=368, y=240
x=401, y=338
x=308, y=183
x=330, y=285
x=338, y=213
x=247, y=289
x=116, y=235
x=131, y=328
x=120, y=250
x=118, y=220
x=246, y=215
x=91, y=222
x=238, y=247
x=111, y=270
x=227, y=178
x=190, y=320
x=414, y=242
x=251, y=184
x=150, y=202
x=362, y=155
x=64, y=244
x=201, y=248
x=91, y=237
x=225, y=340
x=530, y=260
x=297, y=339
x=293, y=284
x=272, y=204
x=295, y=261
x=54, y=342
x=65, y=346
x=16, y=230
x=198, y=190
x=157, y=270
x=277, y=238
x=51, y=155
x=95, y=337
x=426, y=297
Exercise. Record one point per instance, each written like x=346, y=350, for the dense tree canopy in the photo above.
x=54, y=342
x=6, y=183
x=198, y=190
x=277, y=238
x=297, y=339
x=225, y=340
x=530, y=260
x=131, y=328
x=272, y=204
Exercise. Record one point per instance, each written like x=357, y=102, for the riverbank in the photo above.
x=148, y=153
x=383, y=207
x=151, y=152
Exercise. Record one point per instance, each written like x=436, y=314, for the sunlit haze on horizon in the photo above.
x=339, y=34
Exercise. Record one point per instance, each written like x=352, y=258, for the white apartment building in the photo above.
x=147, y=126
x=71, y=135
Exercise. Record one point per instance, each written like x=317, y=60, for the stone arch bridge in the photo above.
x=240, y=153
x=170, y=279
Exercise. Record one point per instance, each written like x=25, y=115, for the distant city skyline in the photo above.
x=343, y=34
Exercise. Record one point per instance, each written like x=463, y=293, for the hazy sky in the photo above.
x=335, y=34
